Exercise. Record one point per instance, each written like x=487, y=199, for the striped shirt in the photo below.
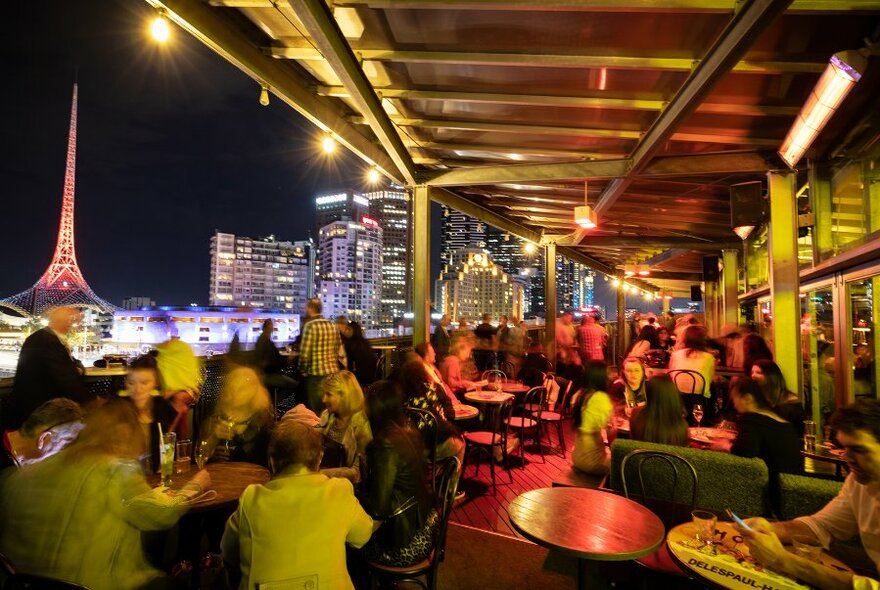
x=319, y=351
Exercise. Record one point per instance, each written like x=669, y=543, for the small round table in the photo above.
x=827, y=455
x=588, y=524
x=514, y=387
x=465, y=412
x=487, y=397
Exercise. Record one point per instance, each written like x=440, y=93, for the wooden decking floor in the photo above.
x=483, y=509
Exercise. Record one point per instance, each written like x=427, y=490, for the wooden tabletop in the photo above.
x=587, y=524
x=115, y=371
x=829, y=455
x=228, y=480
x=465, y=412
x=514, y=387
x=727, y=563
x=487, y=397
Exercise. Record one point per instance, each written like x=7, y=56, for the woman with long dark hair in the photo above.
x=397, y=493
x=592, y=411
x=646, y=341
x=361, y=356
x=660, y=420
x=785, y=403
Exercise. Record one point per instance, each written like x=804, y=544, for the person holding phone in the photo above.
x=854, y=511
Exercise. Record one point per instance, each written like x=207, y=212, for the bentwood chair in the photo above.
x=493, y=375
x=426, y=423
x=666, y=484
x=383, y=575
x=691, y=385
x=557, y=417
x=529, y=421
x=486, y=441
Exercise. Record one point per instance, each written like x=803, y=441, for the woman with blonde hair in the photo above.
x=344, y=426
x=239, y=427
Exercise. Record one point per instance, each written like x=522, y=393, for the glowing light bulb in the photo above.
x=373, y=176
x=529, y=248
x=264, y=95
x=328, y=144
x=159, y=28
x=616, y=282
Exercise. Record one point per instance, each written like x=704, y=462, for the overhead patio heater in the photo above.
x=840, y=76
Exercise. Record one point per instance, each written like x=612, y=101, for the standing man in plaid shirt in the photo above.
x=318, y=353
x=591, y=339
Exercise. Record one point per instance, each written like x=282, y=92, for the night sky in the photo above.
x=172, y=144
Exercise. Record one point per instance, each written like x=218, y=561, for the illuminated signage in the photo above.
x=331, y=199
x=369, y=221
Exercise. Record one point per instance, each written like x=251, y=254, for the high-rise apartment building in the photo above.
x=341, y=205
x=260, y=272
x=350, y=270
x=473, y=284
x=392, y=208
x=460, y=231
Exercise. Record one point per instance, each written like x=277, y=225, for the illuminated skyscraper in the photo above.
x=460, y=231
x=392, y=208
x=339, y=205
x=350, y=262
x=473, y=285
x=260, y=272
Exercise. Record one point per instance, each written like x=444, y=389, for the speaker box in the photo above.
x=747, y=204
x=696, y=294
x=710, y=269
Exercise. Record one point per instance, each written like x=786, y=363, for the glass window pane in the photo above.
x=817, y=341
x=864, y=297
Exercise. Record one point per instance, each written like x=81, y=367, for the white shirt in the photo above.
x=854, y=511
x=701, y=362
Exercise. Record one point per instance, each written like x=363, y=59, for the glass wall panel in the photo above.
x=854, y=207
x=757, y=259
x=817, y=342
x=863, y=297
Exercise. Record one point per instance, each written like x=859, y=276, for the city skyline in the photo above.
x=173, y=144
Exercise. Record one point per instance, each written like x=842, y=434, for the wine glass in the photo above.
x=202, y=454
x=698, y=414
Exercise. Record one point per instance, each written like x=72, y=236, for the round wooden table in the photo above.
x=727, y=563
x=514, y=387
x=587, y=524
x=487, y=397
x=228, y=480
x=828, y=455
x=465, y=412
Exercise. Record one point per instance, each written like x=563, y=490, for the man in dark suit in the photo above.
x=440, y=338
x=45, y=370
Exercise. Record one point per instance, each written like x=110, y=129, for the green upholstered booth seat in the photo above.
x=723, y=480
x=802, y=496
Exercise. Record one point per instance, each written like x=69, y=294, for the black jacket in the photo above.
x=396, y=480
x=45, y=371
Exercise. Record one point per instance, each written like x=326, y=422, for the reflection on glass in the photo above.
x=863, y=299
x=817, y=342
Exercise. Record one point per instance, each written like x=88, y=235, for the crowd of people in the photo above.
x=349, y=478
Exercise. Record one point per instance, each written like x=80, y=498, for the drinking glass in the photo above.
x=166, y=457
x=184, y=456
x=809, y=435
x=807, y=547
x=704, y=523
x=203, y=453
x=698, y=413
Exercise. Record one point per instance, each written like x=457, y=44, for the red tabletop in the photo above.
x=587, y=524
x=465, y=412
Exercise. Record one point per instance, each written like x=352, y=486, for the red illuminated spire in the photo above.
x=62, y=283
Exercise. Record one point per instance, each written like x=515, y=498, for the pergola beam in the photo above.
x=716, y=6
x=326, y=35
x=514, y=150
x=466, y=58
x=707, y=136
x=746, y=25
x=207, y=25
x=584, y=102
x=530, y=173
